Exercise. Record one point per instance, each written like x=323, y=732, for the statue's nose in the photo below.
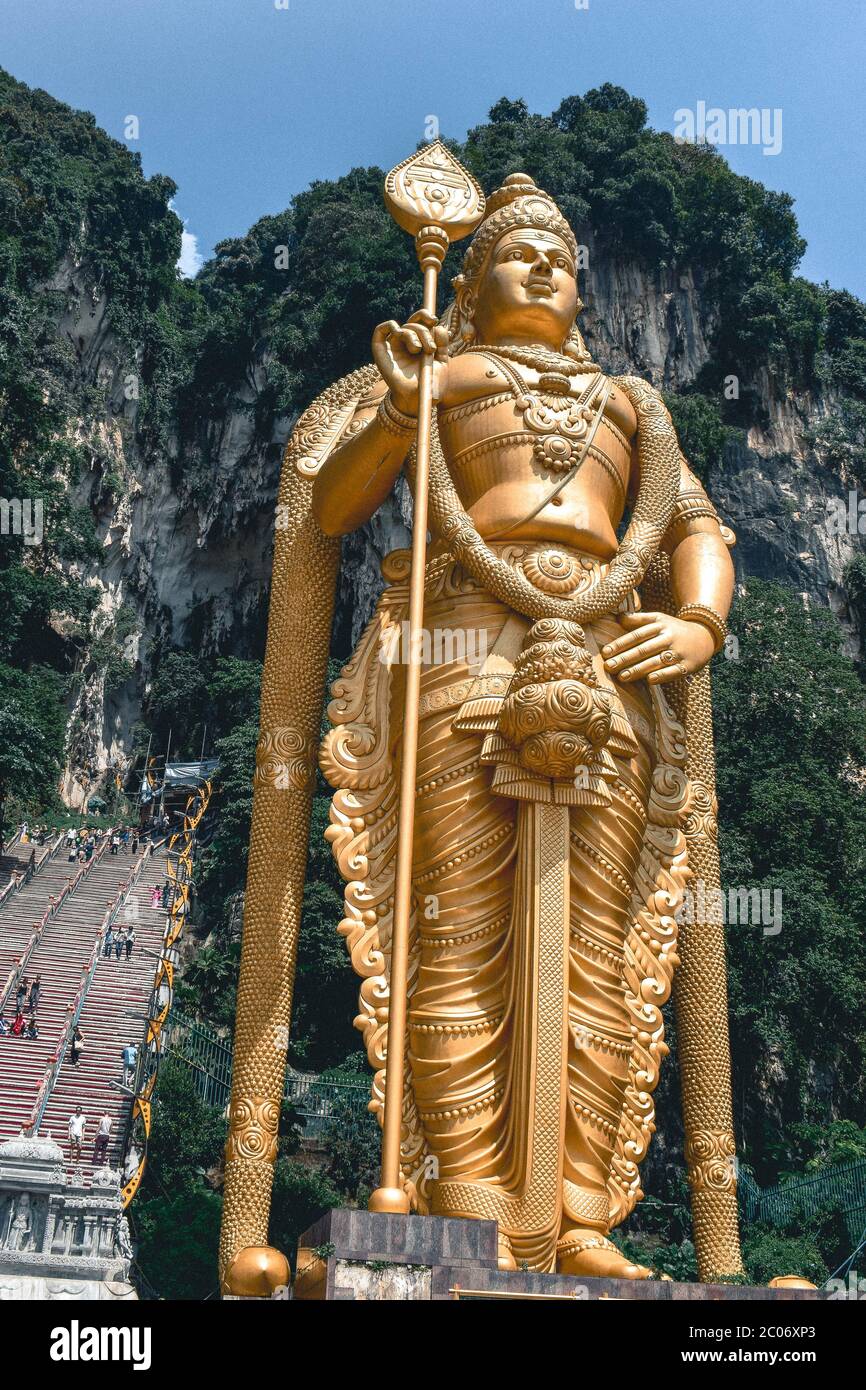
x=541, y=264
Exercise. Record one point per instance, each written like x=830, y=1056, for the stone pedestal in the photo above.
x=364, y=1256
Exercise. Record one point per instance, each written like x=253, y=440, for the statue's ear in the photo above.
x=459, y=316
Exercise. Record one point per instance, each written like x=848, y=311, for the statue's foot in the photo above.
x=589, y=1252
x=505, y=1254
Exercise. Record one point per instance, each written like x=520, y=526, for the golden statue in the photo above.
x=558, y=742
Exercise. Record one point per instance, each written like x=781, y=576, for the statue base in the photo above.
x=353, y=1255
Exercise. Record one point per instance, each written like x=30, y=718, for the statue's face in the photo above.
x=528, y=289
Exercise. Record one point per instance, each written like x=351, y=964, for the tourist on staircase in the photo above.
x=129, y=1056
x=77, y=1124
x=77, y=1047
x=35, y=991
x=100, y=1149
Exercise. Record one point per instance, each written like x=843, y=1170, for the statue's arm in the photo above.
x=701, y=568
x=660, y=647
x=355, y=480
x=358, y=475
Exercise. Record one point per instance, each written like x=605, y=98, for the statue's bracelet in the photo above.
x=698, y=613
x=392, y=420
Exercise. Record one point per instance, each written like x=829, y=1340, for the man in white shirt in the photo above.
x=77, y=1123
x=100, y=1153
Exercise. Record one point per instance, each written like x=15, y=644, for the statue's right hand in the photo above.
x=399, y=350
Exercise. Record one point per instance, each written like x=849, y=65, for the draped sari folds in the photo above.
x=543, y=940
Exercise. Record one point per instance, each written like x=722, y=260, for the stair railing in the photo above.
x=179, y=869
x=209, y=1058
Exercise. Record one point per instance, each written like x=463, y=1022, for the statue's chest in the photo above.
x=550, y=425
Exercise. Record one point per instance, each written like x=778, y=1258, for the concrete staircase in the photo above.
x=114, y=1013
x=115, y=1004
x=15, y=857
x=20, y=912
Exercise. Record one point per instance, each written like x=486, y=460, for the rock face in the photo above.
x=186, y=530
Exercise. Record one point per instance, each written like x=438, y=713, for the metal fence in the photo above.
x=209, y=1059
x=322, y=1103
x=839, y=1184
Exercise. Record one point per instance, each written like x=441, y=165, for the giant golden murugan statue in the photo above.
x=564, y=790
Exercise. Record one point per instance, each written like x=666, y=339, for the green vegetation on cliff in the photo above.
x=68, y=195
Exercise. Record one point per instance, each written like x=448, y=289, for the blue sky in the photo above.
x=243, y=103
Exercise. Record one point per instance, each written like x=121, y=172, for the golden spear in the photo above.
x=432, y=196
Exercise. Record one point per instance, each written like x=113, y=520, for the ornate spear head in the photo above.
x=432, y=189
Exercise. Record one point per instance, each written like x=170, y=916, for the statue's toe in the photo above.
x=592, y=1254
x=505, y=1254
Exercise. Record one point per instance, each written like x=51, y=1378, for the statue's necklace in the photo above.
x=559, y=423
x=541, y=358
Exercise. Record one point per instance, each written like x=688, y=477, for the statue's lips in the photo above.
x=539, y=287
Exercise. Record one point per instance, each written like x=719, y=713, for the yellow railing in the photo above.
x=179, y=874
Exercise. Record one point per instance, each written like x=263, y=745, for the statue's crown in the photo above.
x=518, y=203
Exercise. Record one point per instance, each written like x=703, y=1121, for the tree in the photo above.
x=176, y=1215
x=300, y=1196
x=233, y=691
x=178, y=1244
x=31, y=736
x=187, y=1136
x=790, y=717
x=352, y=1138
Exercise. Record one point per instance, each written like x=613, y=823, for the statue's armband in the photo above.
x=693, y=513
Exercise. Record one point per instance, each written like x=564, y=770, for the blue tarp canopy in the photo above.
x=190, y=774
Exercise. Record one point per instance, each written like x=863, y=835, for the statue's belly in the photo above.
x=505, y=472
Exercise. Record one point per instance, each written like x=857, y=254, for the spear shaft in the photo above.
x=390, y=1196
x=432, y=195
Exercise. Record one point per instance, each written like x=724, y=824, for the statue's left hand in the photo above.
x=657, y=648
